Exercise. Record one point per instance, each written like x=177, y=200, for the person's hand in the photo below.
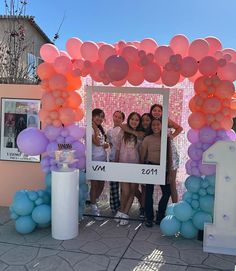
x=140, y=134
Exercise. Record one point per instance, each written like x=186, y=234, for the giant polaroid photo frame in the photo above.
x=125, y=172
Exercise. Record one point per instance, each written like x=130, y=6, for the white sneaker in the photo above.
x=118, y=216
x=124, y=222
x=95, y=212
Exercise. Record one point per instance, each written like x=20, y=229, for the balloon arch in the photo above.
x=204, y=62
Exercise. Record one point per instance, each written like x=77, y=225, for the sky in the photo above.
x=110, y=21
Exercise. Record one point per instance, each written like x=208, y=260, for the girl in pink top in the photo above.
x=128, y=152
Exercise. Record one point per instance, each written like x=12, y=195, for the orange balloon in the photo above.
x=189, y=66
x=74, y=100
x=49, y=102
x=79, y=114
x=135, y=76
x=227, y=123
x=57, y=82
x=170, y=78
x=106, y=51
x=196, y=120
x=45, y=71
x=216, y=125
x=43, y=114
x=199, y=85
x=233, y=104
x=66, y=116
x=212, y=105
x=62, y=65
x=74, y=82
x=225, y=90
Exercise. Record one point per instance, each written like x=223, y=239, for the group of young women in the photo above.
x=136, y=141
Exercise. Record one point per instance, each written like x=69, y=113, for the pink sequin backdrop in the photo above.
x=178, y=111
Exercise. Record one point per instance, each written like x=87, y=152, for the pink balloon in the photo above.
x=135, y=76
x=196, y=120
x=49, y=102
x=116, y=67
x=225, y=89
x=148, y=45
x=198, y=49
x=95, y=71
x=119, y=83
x=62, y=65
x=232, y=52
x=45, y=70
x=106, y=51
x=152, y=72
x=162, y=55
x=212, y=105
x=67, y=116
x=208, y=66
x=73, y=47
x=228, y=72
x=170, y=78
x=64, y=53
x=189, y=66
x=49, y=52
x=89, y=51
x=78, y=64
x=214, y=45
x=180, y=44
x=57, y=82
x=130, y=53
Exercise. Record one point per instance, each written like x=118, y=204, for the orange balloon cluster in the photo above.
x=135, y=62
x=212, y=104
x=60, y=79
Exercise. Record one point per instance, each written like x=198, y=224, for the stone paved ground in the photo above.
x=104, y=245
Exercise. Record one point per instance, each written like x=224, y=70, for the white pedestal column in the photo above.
x=65, y=201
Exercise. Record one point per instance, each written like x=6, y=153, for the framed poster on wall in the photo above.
x=17, y=115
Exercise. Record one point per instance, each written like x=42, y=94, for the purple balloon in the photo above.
x=81, y=163
x=207, y=135
x=46, y=169
x=207, y=169
x=231, y=135
x=69, y=139
x=64, y=132
x=45, y=161
x=193, y=135
x=52, y=132
x=60, y=140
x=52, y=162
x=76, y=131
x=205, y=146
x=196, y=172
x=188, y=166
x=51, y=148
x=78, y=146
x=32, y=141
x=194, y=153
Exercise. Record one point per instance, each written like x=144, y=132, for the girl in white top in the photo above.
x=99, y=146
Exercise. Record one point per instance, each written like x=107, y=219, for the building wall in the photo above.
x=19, y=175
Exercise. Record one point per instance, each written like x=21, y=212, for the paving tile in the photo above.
x=51, y=263
x=8, y=234
x=5, y=247
x=96, y=263
x=3, y=266
x=4, y=215
x=95, y=247
x=15, y=268
x=216, y=262
x=193, y=256
x=135, y=265
x=19, y=255
x=181, y=243
x=72, y=257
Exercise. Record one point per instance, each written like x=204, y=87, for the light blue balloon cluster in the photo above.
x=31, y=209
x=189, y=215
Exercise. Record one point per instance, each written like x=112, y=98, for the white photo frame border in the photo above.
x=126, y=172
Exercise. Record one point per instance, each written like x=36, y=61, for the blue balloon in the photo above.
x=195, y=196
x=193, y=183
x=204, y=183
x=46, y=198
x=22, y=205
x=211, y=179
x=200, y=218
x=32, y=195
x=40, y=193
x=25, y=224
x=183, y=211
x=48, y=180
x=82, y=177
x=188, y=230
x=170, y=225
x=195, y=204
x=42, y=214
x=187, y=195
x=211, y=190
x=14, y=216
x=39, y=201
x=170, y=209
x=202, y=192
x=207, y=203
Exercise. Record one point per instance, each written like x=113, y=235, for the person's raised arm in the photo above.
x=177, y=128
x=127, y=129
